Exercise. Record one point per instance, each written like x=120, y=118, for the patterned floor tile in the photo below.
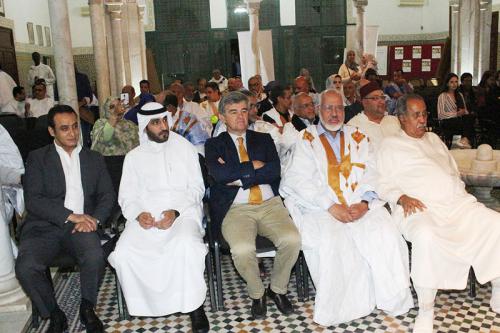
x=455, y=312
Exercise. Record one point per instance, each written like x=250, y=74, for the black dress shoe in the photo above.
x=282, y=302
x=58, y=321
x=89, y=319
x=259, y=307
x=199, y=320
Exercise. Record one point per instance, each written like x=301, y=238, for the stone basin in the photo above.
x=481, y=181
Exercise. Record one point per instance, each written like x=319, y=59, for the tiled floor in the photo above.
x=455, y=312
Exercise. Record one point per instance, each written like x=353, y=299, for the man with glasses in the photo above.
x=356, y=256
x=374, y=121
x=449, y=230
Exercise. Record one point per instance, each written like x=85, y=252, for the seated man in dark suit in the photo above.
x=67, y=192
x=244, y=201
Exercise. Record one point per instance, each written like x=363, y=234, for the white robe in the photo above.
x=455, y=232
x=11, y=169
x=354, y=266
x=376, y=131
x=161, y=271
x=39, y=107
x=42, y=71
x=7, y=84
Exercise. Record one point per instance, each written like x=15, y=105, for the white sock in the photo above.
x=425, y=317
x=495, y=295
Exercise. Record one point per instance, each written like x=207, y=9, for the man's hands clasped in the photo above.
x=147, y=221
x=83, y=222
x=348, y=214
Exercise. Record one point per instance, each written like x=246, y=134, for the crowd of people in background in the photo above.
x=266, y=149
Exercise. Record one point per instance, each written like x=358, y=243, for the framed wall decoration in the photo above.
x=39, y=34
x=31, y=32
x=2, y=8
x=48, y=39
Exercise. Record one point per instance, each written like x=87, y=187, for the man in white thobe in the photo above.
x=449, y=230
x=40, y=104
x=6, y=86
x=41, y=71
x=17, y=105
x=160, y=257
x=373, y=120
x=356, y=256
x=11, y=170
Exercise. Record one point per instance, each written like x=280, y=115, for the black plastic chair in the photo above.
x=262, y=245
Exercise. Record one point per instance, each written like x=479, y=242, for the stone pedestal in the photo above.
x=253, y=14
x=63, y=55
x=98, y=23
x=115, y=10
x=360, y=26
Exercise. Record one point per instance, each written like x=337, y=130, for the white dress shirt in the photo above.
x=243, y=196
x=72, y=174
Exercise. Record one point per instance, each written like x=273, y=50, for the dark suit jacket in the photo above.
x=260, y=146
x=45, y=188
x=299, y=124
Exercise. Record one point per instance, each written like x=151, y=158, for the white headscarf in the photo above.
x=149, y=111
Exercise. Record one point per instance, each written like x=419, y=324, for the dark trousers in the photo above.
x=40, y=245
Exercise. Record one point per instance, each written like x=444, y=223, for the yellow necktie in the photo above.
x=255, y=197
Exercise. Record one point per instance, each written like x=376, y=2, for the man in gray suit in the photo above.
x=68, y=192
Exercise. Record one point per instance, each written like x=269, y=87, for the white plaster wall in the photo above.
x=24, y=11
x=81, y=34
x=395, y=20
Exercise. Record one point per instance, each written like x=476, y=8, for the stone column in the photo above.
x=115, y=10
x=133, y=45
x=485, y=36
x=360, y=26
x=111, y=59
x=253, y=14
x=144, y=62
x=63, y=55
x=471, y=20
x=455, y=33
x=97, y=24
x=125, y=42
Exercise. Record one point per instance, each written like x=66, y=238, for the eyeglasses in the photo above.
x=331, y=107
x=305, y=106
x=376, y=98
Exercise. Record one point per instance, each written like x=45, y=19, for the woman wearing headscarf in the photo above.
x=350, y=70
x=113, y=137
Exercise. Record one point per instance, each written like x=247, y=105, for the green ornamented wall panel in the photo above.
x=185, y=47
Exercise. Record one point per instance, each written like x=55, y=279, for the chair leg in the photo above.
x=211, y=282
x=35, y=317
x=218, y=272
x=298, y=280
x=472, y=284
x=305, y=276
x=120, y=301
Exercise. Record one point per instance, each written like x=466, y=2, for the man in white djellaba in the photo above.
x=357, y=257
x=449, y=230
x=160, y=256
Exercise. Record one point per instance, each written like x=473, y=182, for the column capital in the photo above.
x=360, y=4
x=253, y=6
x=115, y=9
x=142, y=11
